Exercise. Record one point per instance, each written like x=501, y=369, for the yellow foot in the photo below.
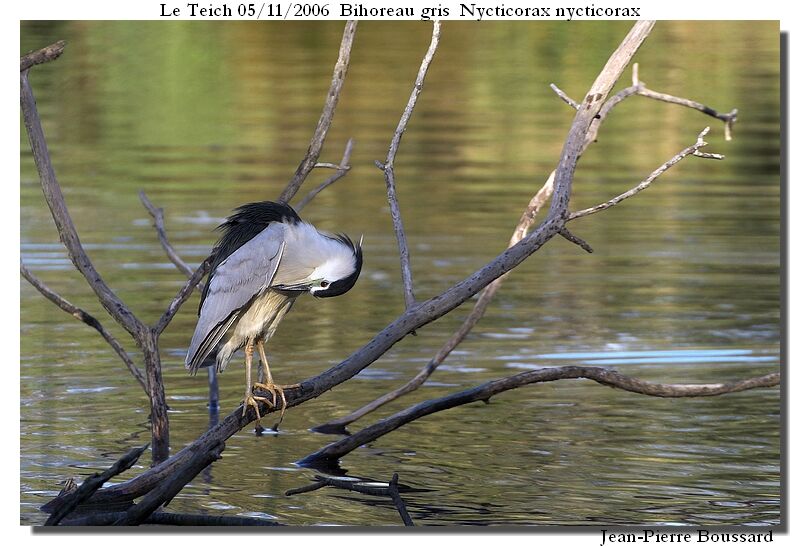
x=251, y=400
x=275, y=391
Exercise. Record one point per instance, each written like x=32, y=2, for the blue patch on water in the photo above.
x=686, y=356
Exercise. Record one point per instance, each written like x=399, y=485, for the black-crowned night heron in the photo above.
x=266, y=258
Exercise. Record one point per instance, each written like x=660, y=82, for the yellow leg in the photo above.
x=270, y=386
x=249, y=399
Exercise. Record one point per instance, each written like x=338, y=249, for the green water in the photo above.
x=683, y=286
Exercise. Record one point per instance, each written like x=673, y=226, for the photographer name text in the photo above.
x=700, y=536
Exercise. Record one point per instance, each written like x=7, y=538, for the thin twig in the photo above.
x=325, y=119
x=182, y=295
x=388, y=167
x=319, y=484
x=610, y=378
x=563, y=96
x=729, y=118
x=86, y=318
x=93, y=483
x=158, y=222
x=572, y=238
x=644, y=184
x=341, y=170
x=638, y=87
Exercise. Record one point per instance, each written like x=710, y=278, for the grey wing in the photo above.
x=245, y=274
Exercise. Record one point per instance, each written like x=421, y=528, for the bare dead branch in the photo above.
x=66, y=229
x=341, y=170
x=86, y=318
x=93, y=483
x=337, y=426
x=563, y=96
x=140, y=332
x=182, y=295
x=572, y=238
x=644, y=184
x=158, y=222
x=336, y=450
x=729, y=118
x=164, y=493
x=388, y=167
x=46, y=54
x=325, y=119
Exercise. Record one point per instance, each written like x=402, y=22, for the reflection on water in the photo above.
x=683, y=286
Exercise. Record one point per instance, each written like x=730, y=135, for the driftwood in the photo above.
x=161, y=482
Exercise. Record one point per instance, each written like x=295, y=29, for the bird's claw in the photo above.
x=275, y=391
x=250, y=400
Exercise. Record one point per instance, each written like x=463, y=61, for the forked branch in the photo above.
x=341, y=170
x=326, y=118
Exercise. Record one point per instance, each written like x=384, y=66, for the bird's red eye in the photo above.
x=324, y=284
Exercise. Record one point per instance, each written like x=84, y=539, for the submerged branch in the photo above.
x=366, y=487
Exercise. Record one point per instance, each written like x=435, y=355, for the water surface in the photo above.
x=683, y=285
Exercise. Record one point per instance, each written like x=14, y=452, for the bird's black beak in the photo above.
x=292, y=289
